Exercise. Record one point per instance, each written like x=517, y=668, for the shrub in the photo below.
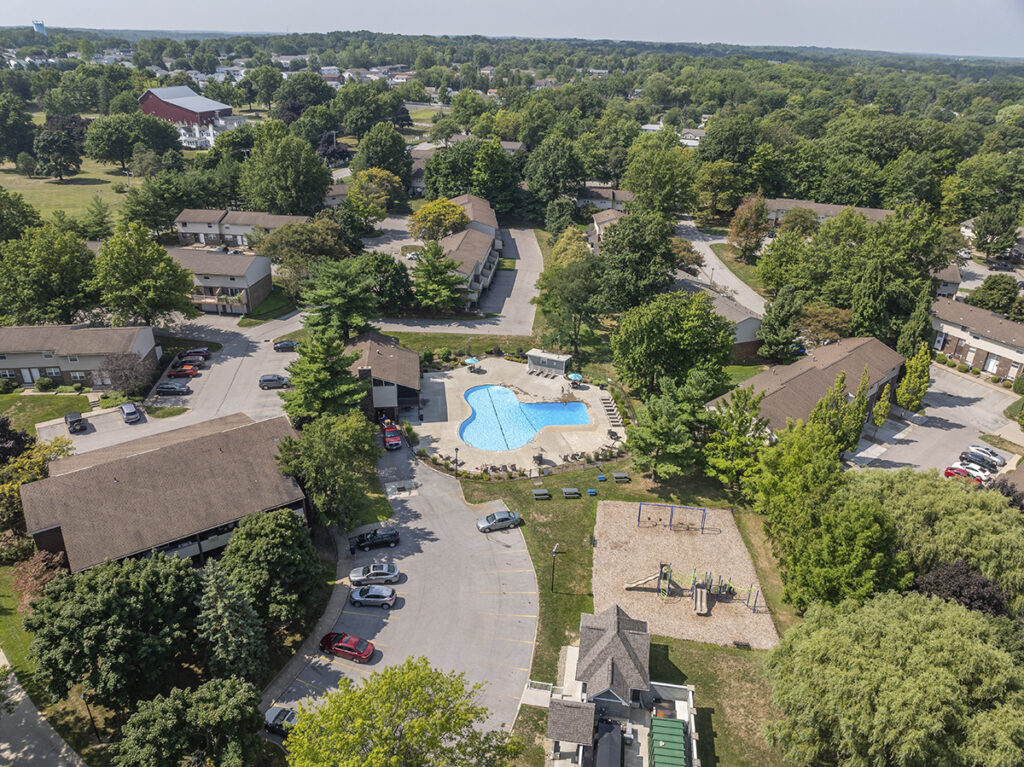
x=410, y=433
x=15, y=547
x=444, y=353
x=7, y=385
x=941, y=358
x=1007, y=384
x=962, y=368
x=951, y=363
x=45, y=384
x=422, y=452
x=1018, y=385
x=120, y=187
x=995, y=379
x=428, y=357
x=496, y=351
x=975, y=372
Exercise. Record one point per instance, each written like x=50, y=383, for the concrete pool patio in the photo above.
x=444, y=408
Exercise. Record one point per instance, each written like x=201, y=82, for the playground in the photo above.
x=684, y=570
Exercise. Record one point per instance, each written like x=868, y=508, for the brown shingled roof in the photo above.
x=68, y=339
x=266, y=221
x=603, y=193
x=136, y=503
x=386, y=358
x=200, y=216
x=467, y=248
x=477, y=208
x=792, y=391
x=207, y=262
x=824, y=209
x=979, y=321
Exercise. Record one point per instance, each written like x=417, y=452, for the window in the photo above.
x=231, y=278
x=72, y=358
x=77, y=375
x=47, y=355
x=53, y=373
x=3, y=356
x=7, y=374
x=184, y=225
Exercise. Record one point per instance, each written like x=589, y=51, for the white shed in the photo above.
x=545, y=362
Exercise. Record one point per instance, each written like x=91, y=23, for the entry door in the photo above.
x=202, y=238
x=26, y=375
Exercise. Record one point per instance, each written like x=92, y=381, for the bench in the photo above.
x=541, y=495
x=570, y=492
x=591, y=491
x=601, y=477
x=620, y=476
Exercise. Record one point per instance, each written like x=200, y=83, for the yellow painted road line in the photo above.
x=509, y=639
x=508, y=592
x=508, y=615
x=311, y=686
x=505, y=665
x=513, y=697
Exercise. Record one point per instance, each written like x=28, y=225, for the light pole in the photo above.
x=554, y=556
x=91, y=720
x=456, y=463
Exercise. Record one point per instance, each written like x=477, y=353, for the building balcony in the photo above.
x=219, y=296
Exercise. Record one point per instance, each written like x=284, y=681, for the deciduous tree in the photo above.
x=334, y=459
x=56, y=154
x=283, y=174
x=422, y=717
x=716, y=189
x=660, y=173
x=554, y=169
x=384, y=147
x=749, y=227
x=567, y=297
x=995, y=231
x=842, y=417
x=638, y=259
x=16, y=215
x=997, y=293
x=16, y=130
x=437, y=219
x=961, y=583
x=914, y=384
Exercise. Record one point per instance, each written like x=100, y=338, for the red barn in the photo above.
x=182, y=106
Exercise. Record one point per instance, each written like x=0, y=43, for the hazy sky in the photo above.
x=956, y=27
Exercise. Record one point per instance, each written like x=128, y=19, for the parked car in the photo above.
x=988, y=453
x=273, y=381
x=196, y=351
x=392, y=437
x=497, y=521
x=286, y=346
x=1000, y=266
x=278, y=720
x=195, y=360
x=969, y=456
x=185, y=371
x=130, y=413
x=972, y=470
x=75, y=422
x=956, y=472
x=375, y=539
x=347, y=646
x=374, y=596
x=172, y=389
x=376, y=573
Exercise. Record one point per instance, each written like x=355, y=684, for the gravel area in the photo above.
x=625, y=553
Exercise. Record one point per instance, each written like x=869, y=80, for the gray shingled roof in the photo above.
x=477, y=208
x=980, y=321
x=950, y=273
x=134, y=503
x=823, y=209
x=200, y=216
x=386, y=358
x=571, y=721
x=266, y=221
x=467, y=248
x=207, y=262
x=186, y=98
x=614, y=654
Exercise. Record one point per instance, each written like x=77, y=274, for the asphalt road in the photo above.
x=467, y=601
x=714, y=272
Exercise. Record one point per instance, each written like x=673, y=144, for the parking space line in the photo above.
x=382, y=614
x=513, y=697
x=491, y=572
x=311, y=686
x=509, y=639
x=508, y=615
x=508, y=592
x=505, y=665
x=492, y=553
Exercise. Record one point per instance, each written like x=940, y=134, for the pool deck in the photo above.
x=444, y=409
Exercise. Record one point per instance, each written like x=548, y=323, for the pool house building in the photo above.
x=540, y=361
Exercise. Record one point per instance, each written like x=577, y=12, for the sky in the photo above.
x=950, y=27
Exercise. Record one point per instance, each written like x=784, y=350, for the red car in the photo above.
x=392, y=437
x=347, y=646
x=185, y=371
x=952, y=471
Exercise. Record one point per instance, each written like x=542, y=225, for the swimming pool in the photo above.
x=501, y=422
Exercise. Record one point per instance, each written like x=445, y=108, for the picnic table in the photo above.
x=570, y=492
x=620, y=476
x=541, y=495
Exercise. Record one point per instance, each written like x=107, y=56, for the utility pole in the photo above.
x=554, y=555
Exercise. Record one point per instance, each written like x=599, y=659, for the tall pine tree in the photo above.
x=229, y=628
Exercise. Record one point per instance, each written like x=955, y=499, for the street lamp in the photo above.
x=456, y=463
x=554, y=555
x=93, y=721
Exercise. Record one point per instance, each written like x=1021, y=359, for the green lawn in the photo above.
x=743, y=270
x=531, y=727
x=732, y=696
x=751, y=528
x=426, y=114
x=26, y=410
x=378, y=509
x=569, y=523
x=740, y=373
x=73, y=194
x=457, y=342
x=545, y=241
x=275, y=305
x=164, y=411
x=1014, y=409
x=507, y=264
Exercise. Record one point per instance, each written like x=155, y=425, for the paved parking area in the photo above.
x=466, y=600
x=958, y=411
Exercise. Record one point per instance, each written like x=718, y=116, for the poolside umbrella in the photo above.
x=471, y=360
x=575, y=377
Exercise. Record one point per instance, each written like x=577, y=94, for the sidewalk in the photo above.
x=27, y=738
x=311, y=646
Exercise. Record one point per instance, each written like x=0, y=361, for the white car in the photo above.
x=973, y=470
x=989, y=453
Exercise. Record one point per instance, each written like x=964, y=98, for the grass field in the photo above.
x=740, y=373
x=73, y=194
x=164, y=411
x=507, y=264
x=426, y=114
x=531, y=727
x=1014, y=409
x=743, y=270
x=276, y=304
x=423, y=342
x=732, y=697
x=26, y=410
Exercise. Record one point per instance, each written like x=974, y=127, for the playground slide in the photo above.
x=700, y=599
x=641, y=582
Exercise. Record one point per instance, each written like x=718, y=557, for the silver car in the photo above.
x=497, y=521
x=987, y=452
x=374, y=596
x=279, y=720
x=375, y=573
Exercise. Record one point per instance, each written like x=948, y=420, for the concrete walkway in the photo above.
x=715, y=273
x=26, y=738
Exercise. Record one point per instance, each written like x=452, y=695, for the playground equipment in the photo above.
x=663, y=576
x=723, y=590
x=700, y=599
x=671, y=513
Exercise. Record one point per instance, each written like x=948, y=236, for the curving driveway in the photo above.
x=715, y=273
x=467, y=601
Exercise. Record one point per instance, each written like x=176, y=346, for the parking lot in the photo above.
x=228, y=384
x=958, y=411
x=466, y=600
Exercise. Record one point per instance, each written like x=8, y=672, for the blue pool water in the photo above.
x=501, y=422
